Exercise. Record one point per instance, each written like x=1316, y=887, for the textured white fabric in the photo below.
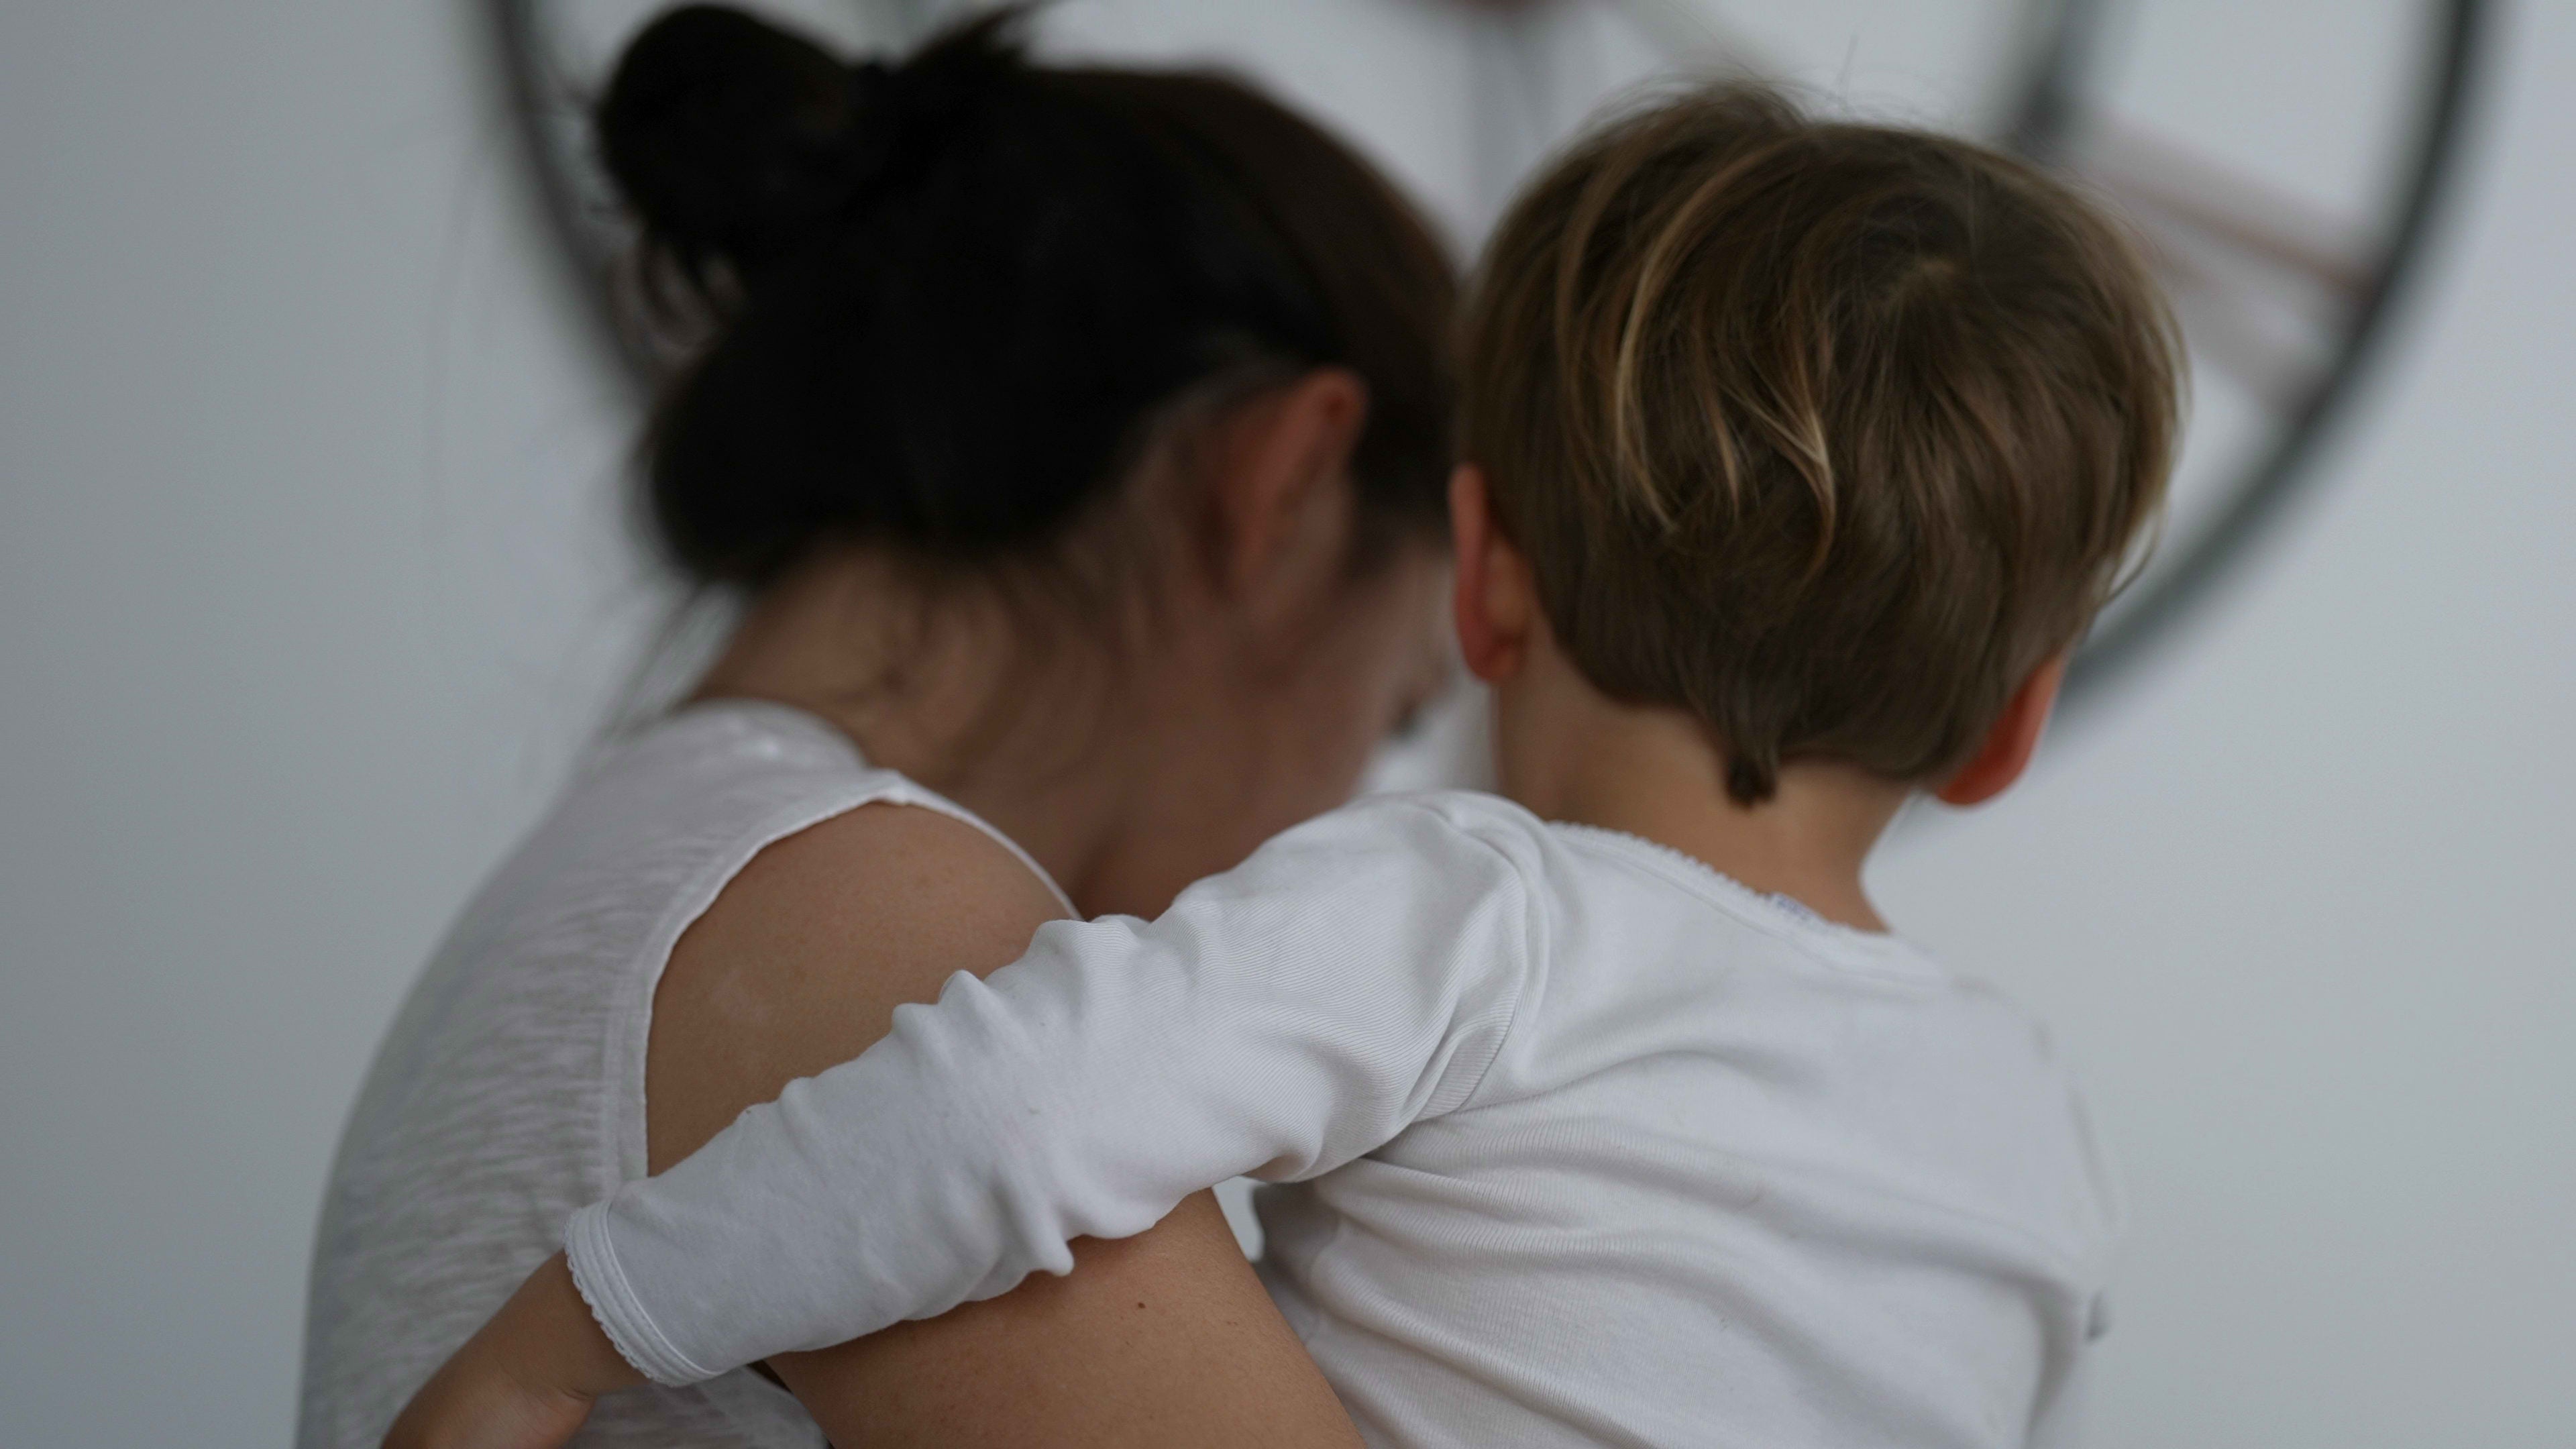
x=510, y=1089
x=1580, y=1143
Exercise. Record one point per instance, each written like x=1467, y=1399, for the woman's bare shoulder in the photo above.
x=1162, y=1339
x=802, y=959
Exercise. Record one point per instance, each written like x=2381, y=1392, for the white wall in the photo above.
x=2296, y=902
x=312, y=579
x=307, y=573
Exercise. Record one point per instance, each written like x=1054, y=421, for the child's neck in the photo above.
x=1568, y=753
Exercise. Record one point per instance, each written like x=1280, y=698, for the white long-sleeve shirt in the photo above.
x=1582, y=1143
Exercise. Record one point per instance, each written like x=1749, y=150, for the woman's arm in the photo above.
x=1166, y=1338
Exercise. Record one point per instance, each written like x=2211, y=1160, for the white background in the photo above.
x=313, y=580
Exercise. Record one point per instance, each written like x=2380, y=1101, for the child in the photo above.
x=1607, y=1112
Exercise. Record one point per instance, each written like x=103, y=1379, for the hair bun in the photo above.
x=731, y=137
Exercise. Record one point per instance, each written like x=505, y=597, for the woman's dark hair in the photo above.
x=953, y=296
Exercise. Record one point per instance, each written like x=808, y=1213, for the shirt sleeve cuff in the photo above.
x=639, y=1340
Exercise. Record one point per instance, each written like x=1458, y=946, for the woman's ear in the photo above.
x=1497, y=599
x=1282, y=492
x=2010, y=743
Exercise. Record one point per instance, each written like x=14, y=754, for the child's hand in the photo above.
x=525, y=1380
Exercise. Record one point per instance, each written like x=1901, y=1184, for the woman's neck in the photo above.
x=937, y=689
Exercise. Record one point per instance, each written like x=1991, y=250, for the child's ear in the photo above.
x=1496, y=600
x=2010, y=743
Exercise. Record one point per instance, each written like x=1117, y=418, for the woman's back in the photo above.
x=511, y=1089
x=1071, y=439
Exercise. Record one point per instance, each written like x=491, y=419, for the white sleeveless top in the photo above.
x=510, y=1090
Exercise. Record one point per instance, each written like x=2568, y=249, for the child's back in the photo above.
x=1734, y=1174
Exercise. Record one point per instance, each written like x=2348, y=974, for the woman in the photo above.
x=1077, y=440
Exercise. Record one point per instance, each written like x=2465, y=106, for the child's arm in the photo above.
x=1354, y=976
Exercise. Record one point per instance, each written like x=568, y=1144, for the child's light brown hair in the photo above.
x=1827, y=434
